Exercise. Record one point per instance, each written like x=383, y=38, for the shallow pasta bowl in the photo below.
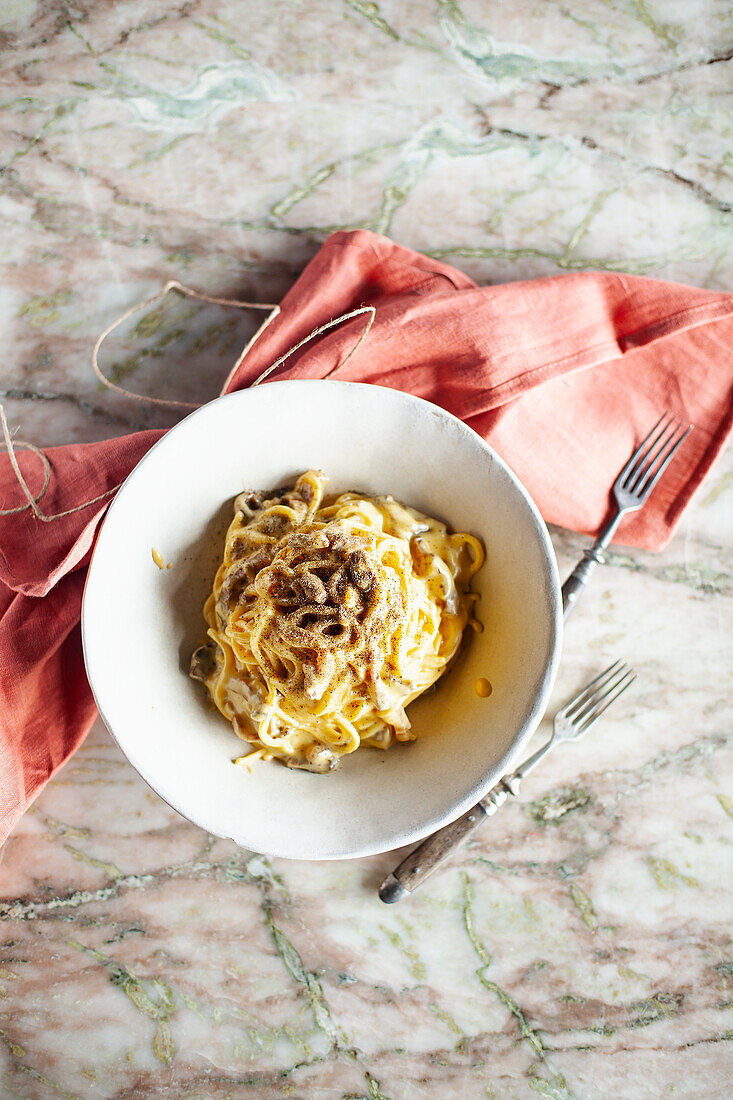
x=140, y=623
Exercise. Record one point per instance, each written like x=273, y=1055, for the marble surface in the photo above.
x=580, y=946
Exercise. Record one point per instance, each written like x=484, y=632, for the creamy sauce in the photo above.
x=328, y=617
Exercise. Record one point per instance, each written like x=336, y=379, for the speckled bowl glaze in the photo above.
x=140, y=623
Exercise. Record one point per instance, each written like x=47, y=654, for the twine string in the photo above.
x=317, y=332
x=173, y=284
x=10, y=447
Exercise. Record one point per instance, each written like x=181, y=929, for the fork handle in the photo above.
x=429, y=855
x=579, y=577
x=440, y=846
x=592, y=557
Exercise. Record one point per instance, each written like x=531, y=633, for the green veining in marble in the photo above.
x=375, y=1089
x=415, y=38
x=631, y=975
x=699, y=749
x=661, y=1006
x=668, y=33
x=281, y=208
x=259, y=869
x=163, y=1045
x=508, y=63
x=61, y=828
x=215, y=90
x=694, y=574
x=525, y=1029
x=44, y=309
x=551, y=808
x=667, y=875
x=353, y=164
x=445, y=1016
x=549, y=1089
x=585, y=223
x=111, y=870
x=47, y=1081
x=417, y=966
x=726, y=803
x=372, y=13
x=527, y=1032
x=62, y=109
x=476, y=943
x=440, y=138
x=152, y=997
x=584, y=905
x=150, y=156
x=295, y=967
x=162, y=327
x=219, y=35
x=638, y=265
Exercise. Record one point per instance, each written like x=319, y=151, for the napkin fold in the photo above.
x=562, y=376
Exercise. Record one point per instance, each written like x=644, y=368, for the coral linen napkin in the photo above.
x=561, y=375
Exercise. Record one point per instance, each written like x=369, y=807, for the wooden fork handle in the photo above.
x=429, y=855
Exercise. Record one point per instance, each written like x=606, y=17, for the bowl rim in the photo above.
x=532, y=717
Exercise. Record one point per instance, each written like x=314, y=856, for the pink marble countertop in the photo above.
x=580, y=945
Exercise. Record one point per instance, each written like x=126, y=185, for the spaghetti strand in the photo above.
x=328, y=617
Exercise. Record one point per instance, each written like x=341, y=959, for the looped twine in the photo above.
x=317, y=332
x=11, y=448
x=173, y=284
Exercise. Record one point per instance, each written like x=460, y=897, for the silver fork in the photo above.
x=631, y=490
x=569, y=725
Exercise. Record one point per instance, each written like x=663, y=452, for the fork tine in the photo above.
x=653, y=476
x=591, y=692
x=600, y=694
x=653, y=455
x=649, y=455
x=584, y=695
x=637, y=454
x=591, y=718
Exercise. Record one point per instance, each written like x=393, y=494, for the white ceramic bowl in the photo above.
x=140, y=624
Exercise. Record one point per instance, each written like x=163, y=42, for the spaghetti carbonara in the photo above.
x=328, y=617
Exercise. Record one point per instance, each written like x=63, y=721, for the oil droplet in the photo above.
x=477, y=626
x=158, y=558
x=482, y=687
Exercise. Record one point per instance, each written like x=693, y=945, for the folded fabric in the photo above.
x=562, y=376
